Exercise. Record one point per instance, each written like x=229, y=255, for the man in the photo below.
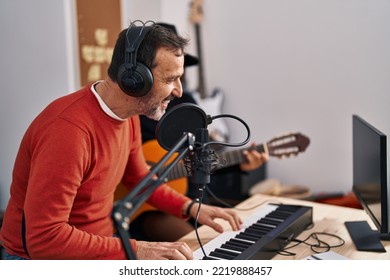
x=82, y=145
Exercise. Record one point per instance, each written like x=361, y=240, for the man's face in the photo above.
x=166, y=85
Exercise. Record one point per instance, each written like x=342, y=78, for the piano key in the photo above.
x=221, y=255
x=227, y=252
x=255, y=231
x=262, y=222
x=260, y=228
x=242, y=242
x=234, y=247
x=270, y=221
x=247, y=236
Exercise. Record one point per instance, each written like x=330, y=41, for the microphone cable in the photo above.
x=210, y=120
x=200, y=200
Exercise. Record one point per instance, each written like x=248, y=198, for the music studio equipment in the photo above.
x=135, y=78
x=183, y=118
x=190, y=118
x=263, y=235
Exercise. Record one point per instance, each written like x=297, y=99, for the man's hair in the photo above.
x=156, y=38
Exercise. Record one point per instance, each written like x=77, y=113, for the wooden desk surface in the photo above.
x=326, y=218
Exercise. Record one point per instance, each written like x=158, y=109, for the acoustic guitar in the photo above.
x=281, y=147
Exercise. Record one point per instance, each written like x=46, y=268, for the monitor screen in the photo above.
x=370, y=172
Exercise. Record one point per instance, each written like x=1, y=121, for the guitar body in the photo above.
x=212, y=106
x=153, y=153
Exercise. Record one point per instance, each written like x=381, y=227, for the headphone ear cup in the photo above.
x=136, y=82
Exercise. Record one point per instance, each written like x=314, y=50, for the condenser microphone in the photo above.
x=182, y=118
x=190, y=118
x=201, y=160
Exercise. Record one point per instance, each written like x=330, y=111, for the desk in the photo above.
x=326, y=218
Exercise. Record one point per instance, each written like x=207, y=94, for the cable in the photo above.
x=210, y=120
x=318, y=244
x=196, y=221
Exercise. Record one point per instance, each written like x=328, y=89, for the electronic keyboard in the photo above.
x=262, y=236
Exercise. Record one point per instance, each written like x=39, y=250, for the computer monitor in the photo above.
x=370, y=184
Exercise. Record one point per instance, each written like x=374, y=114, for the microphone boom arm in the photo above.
x=126, y=207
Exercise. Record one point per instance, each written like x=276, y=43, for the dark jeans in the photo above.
x=8, y=256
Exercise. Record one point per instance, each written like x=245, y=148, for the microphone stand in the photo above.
x=126, y=207
x=201, y=159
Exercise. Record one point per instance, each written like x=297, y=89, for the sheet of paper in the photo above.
x=326, y=256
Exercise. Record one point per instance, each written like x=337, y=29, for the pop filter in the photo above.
x=180, y=119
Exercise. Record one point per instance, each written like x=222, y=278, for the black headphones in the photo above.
x=134, y=78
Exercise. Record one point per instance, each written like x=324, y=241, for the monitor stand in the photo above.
x=364, y=238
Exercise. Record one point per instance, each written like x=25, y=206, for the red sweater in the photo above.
x=68, y=165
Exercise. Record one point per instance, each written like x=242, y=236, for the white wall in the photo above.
x=301, y=65
x=35, y=60
x=306, y=66
x=285, y=65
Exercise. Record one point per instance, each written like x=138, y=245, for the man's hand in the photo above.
x=254, y=159
x=209, y=213
x=163, y=251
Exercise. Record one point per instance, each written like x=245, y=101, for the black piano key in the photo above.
x=287, y=208
x=248, y=232
x=240, y=242
x=275, y=216
x=282, y=214
x=260, y=228
x=237, y=239
x=280, y=217
x=221, y=255
x=230, y=246
x=267, y=222
x=209, y=258
x=285, y=211
x=245, y=236
x=263, y=226
x=276, y=219
x=255, y=232
x=270, y=221
x=227, y=252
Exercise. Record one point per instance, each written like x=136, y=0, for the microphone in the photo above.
x=201, y=159
x=189, y=118
x=182, y=118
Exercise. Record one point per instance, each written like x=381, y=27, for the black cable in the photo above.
x=200, y=199
x=210, y=119
x=319, y=244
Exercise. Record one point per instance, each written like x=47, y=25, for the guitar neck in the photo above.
x=228, y=158
x=201, y=82
x=237, y=156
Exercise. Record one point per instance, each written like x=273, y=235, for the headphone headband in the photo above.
x=135, y=78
